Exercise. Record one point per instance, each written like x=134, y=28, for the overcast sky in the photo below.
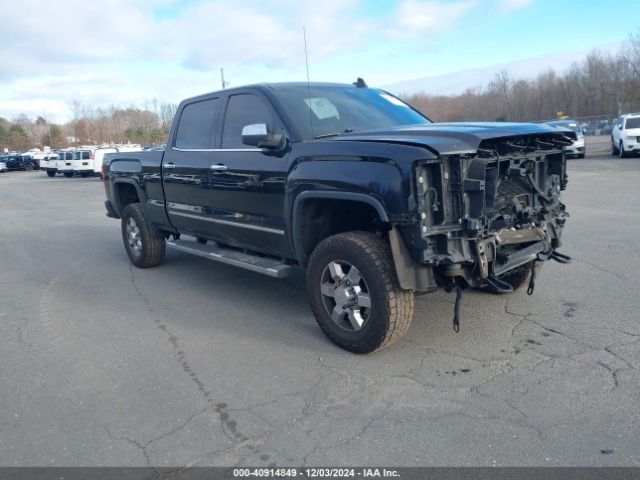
x=128, y=52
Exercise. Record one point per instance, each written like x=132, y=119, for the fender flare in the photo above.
x=117, y=203
x=296, y=231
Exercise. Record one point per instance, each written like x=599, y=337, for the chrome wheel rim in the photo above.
x=133, y=236
x=345, y=295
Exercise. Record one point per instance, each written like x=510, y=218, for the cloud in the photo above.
x=126, y=51
x=415, y=18
x=510, y=5
x=55, y=36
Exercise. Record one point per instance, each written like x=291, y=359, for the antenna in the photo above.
x=224, y=84
x=306, y=62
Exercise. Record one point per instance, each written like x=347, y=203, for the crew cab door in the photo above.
x=247, y=183
x=186, y=165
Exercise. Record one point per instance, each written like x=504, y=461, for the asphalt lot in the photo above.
x=197, y=363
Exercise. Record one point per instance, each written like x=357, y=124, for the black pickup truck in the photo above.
x=373, y=199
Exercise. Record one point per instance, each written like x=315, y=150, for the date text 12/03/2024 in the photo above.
x=316, y=472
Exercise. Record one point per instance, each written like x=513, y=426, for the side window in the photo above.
x=196, y=124
x=246, y=109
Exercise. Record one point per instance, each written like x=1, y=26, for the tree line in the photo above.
x=599, y=85
x=146, y=125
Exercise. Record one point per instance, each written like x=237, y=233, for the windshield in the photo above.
x=632, y=123
x=326, y=110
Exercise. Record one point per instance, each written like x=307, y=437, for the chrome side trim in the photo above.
x=219, y=149
x=187, y=208
x=227, y=222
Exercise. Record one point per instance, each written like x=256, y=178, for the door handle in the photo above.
x=219, y=167
x=170, y=165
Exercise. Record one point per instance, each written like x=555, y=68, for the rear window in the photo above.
x=632, y=123
x=196, y=124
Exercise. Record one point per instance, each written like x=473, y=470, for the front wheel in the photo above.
x=144, y=244
x=614, y=149
x=68, y=174
x=621, y=151
x=51, y=173
x=354, y=293
x=28, y=167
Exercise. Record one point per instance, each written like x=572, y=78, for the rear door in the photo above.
x=186, y=168
x=247, y=183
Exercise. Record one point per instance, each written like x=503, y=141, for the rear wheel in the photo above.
x=354, y=293
x=51, y=173
x=28, y=167
x=84, y=174
x=144, y=244
x=68, y=174
x=621, y=151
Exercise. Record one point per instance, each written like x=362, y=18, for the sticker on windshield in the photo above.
x=393, y=100
x=322, y=107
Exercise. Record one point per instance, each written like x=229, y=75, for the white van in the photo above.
x=65, y=163
x=82, y=163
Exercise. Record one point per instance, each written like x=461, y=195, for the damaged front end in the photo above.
x=483, y=215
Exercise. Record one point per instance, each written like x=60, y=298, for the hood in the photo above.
x=458, y=138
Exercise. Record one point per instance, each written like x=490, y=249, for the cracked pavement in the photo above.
x=196, y=363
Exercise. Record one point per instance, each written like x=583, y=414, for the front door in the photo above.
x=248, y=183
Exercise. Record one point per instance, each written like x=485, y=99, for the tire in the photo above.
x=621, y=152
x=144, y=244
x=614, y=149
x=68, y=174
x=28, y=167
x=51, y=173
x=582, y=155
x=84, y=174
x=358, y=328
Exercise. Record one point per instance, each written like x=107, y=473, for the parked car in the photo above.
x=28, y=158
x=3, y=167
x=625, y=136
x=606, y=129
x=587, y=128
x=19, y=162
x=577, y=149
x=350, y=182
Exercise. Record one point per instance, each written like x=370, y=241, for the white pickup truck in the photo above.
x=49, y=163
x=625, y=136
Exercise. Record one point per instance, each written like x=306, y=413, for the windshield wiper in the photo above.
x=327, y=135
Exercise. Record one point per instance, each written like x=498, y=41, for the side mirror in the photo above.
x=258, y=135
